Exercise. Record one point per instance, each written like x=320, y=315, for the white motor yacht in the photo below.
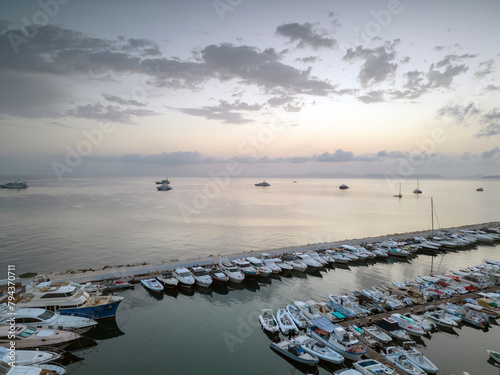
x=262, y=269
x=231, y=271
x=184, y=277
x=202, y=277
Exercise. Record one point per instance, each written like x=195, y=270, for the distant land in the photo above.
x=382, y=175
x=492, y=177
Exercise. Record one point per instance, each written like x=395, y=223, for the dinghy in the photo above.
x=418, y=359
x=285, y=322
x=318, y=349
x=298, y=318
x=268, y=321
x=294, y=352
x=494, y=355
x=152, y=285
x=397, y=357
x=378, y=334
x=371, y=367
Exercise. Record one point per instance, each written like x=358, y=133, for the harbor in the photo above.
x=318, y=281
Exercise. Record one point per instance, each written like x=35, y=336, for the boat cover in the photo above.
x=324, y=324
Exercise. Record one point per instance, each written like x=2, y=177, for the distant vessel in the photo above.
x=164, y=185
x=417, y=190
x=165, y=181
x=480, y=189
x=343, y=187
x=399, y=195
x=14, y=185
x=263, y=183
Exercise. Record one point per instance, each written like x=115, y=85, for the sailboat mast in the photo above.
x=432, y=215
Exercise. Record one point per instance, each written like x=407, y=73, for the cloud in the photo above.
x=229, y=113
x=122, y=101
x=338, y=156
x=489, y=154
x=377, y=66
x=109, y=113
x=484, y=68
x=372, y=97
x=491, y=124
x=459, y=113
x=437, y=78
x=306, y=35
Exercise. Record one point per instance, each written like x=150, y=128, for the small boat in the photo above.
x=285, y=322
x=164, y=181
x=397, y=357
x=281, y=264
x=298, y=318
x=373, y=367
x=14, y=185
x=152, y=285
x=295, y=262
x=318, y=349
x=231, y=271
x=494, y=355
x=343, y=187
x=271, y=264
x=378, y=334
x=308, y=310
x=218, y=276
x=263, y=183
x=337, y=305
x=268, y=321
x=392, y=328
x=336, y=338
x=168, y=279
x=31, y=357
x=114, y=285
x=418, y=359
x=412, y=327
x=294, y=352
x=262, y=269
x=28, y=336
x=417, y=189
x=479, y=189
x=363, y=336
x=440, y=317
x=41, y=369
x=43, y=318
x=201, y=277
x=164, y=187
x=311, y=263
x=248, y=270
x=399, y=195
x=184, y=277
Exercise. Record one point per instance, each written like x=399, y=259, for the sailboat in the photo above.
x=399, y=195
x=417, y=190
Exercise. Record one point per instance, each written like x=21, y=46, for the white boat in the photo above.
x=418, y=359
x=41, y=369
x=424, y=322
x=377, y=333
x=494, y=355
x=392, y=328
x=168, y=279
x=309, y=310
x=43, y=318
x=373, y=367
x=299, y=319
x=184, y=277
x=164, y=181
x=317, y=258
x=14, y=185
x=295, y=262
x=231, y=271
x=201, y=277
x=347, y=371
x=110, y=286
x=152, y=285
x=337, y=305
x=67, y=299
x=31, y=357
x=320, y=350
x=263, y=183
x=440, y=317
x=336, y=338
x=218, y=276
x=27, y=336
x=285, y=322
x=310, y=262
x=363, y=336
x=467, y=315
x=262, y=269
x=271, y=264
x=282, y=265
x=355, y=251
x=248, y=270
x=397, y=357
x=164, y=187
x=412, y=327
x=417, y=189
x=338, y=257
x=268, y=321
x=294, y=352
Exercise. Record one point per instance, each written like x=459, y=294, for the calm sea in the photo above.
x=93, y=222
x=90, y=222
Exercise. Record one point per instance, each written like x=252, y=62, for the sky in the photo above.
x=259, y=88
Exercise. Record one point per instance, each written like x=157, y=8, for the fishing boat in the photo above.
x=152, y=285
x=417, y=190
x=336, y=338
x=299, y=319
x=268, y=321
x=397, y=357
x=494, y=355
x=168, y=280
x=28, y=336
x=418, y=359
x=373, y=367
x=31, y=357
x=67, y=299
x=201, y=277
x=294, y=352
x=184, y=277
x=43, y=318
x=14, y=185
x=231, y=271
x=318, y=349
x=285, y=322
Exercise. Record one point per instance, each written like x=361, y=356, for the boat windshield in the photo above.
x=184, y=274
x=28, y=332
x=4, y=368
x=47, y=314
x=199, y=272
x=233, y=270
